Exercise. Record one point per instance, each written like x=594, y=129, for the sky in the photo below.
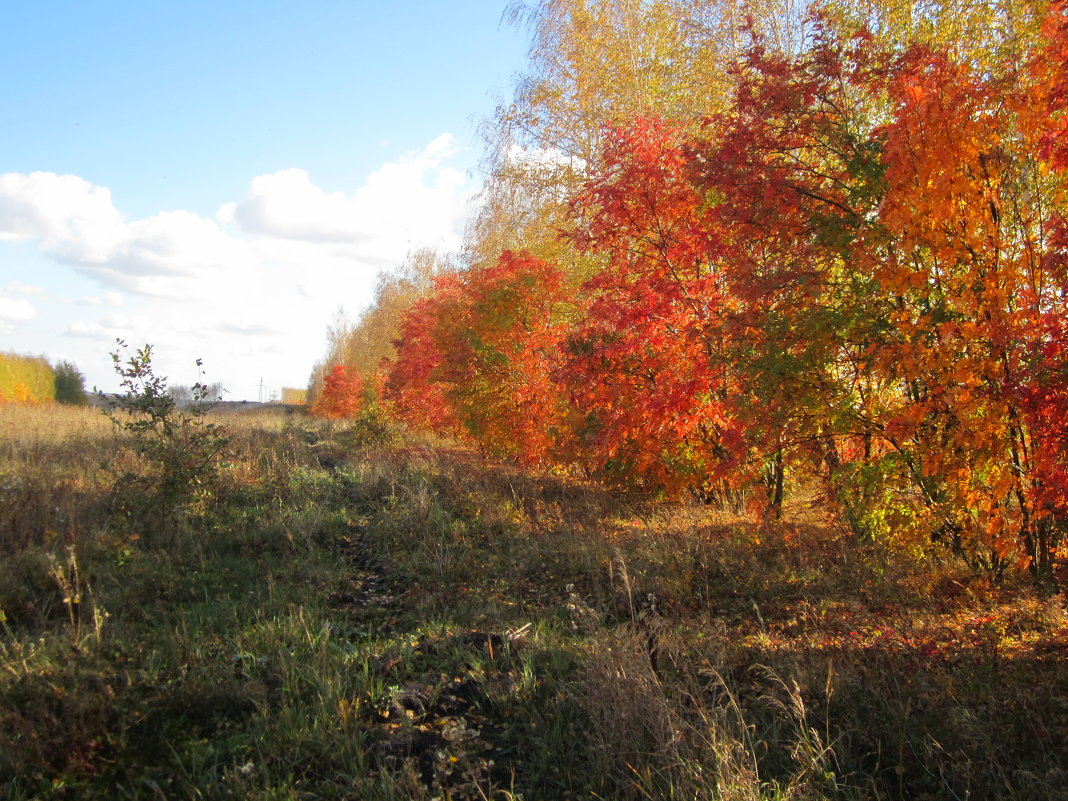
x=217, y=179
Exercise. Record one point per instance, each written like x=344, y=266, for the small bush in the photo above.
x=182, y=448
x=371, y=428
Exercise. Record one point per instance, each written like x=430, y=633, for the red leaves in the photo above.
x=476, y=358
x=342, y=395
x=412, y=387
x=1050, y=71
x=638, y=369
x=859, y=271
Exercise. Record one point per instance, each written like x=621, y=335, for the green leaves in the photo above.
x=182, y=448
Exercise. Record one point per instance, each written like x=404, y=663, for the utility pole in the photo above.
x=259, y=396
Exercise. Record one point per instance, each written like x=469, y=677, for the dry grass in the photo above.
x=718, y=657
x=345, y=619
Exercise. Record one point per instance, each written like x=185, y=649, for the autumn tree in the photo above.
x=477, y=358
x=362, y=345
x=500, y=349
x=644, y=370
x=727, y=311
x=412, y=389
x=26, y=379
x=342, y=395
x=370, y=339
x=834, y=249
x=596, y=64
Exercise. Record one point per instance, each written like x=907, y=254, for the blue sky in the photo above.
x=218, y=178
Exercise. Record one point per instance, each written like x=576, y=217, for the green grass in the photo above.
x=341, y=618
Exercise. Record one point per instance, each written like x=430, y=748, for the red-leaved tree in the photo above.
x=342, y=395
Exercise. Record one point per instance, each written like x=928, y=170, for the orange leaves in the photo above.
x=859, y=270
x=21, y=393
x=961, y=251
x=497, y=371
x=795, y=277
x=476, y=358
x=342, y=395
x=412, y=385
x=945, y=158
x=1047, y=118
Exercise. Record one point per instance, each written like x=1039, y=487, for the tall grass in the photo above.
x=345, y=618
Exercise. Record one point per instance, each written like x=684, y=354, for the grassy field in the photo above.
x=343, y=614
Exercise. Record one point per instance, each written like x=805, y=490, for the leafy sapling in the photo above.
x=181, y=448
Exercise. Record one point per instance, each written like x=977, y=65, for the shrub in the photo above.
x=180, y=445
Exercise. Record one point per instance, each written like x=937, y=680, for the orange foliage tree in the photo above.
x=478, y=357
x=717, y=335
x=645, y=368
x=412, y=389
x=857, y=271
x=500, y=349
x=341, y=396
x=966, y=287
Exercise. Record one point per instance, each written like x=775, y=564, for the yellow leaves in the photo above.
x=25, y=379
x=20, y=393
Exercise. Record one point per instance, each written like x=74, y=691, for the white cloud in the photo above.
x=103, y=299
x=81, y=328
x=76, y=223
x=175, y=243
x=72, y=217
x=247, y=329
x=416, y=199
x=19, y=288
x=117, y=325
x=15, y=311
x=287, y=205
x=250, y=291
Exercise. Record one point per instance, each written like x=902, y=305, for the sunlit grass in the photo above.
x=344, y=619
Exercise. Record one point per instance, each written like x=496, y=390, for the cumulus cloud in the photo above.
x=415, y=200
x=15, y=310
x=260, y=277
x=117, y=325
x=77, y=224
x=103, y=299
x=175, y=243
x=73, y=218
x=247, y=329
x=287, y=205
x=417, y=195
x=82, y=328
